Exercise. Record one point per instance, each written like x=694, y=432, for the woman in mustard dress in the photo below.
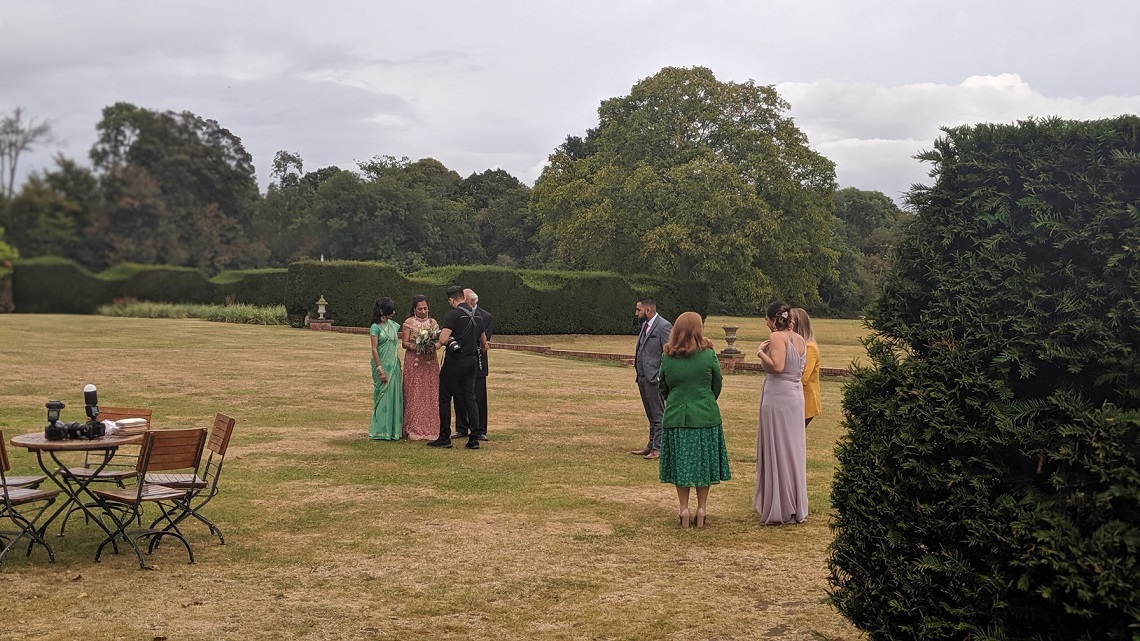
x=813, y=406
x=387, y=388
x=693, y=453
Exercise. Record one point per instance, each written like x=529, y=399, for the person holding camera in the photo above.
x=463, y=340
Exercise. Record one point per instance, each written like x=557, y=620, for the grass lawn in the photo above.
x=552, y=531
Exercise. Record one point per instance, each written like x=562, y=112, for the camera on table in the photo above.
x=55, y=430
x=454, y=346
x=58, y=431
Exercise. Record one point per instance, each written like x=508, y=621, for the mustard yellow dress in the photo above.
x=813, y=406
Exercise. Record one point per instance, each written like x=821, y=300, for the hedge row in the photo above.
x=51, y=285
x=522, y=302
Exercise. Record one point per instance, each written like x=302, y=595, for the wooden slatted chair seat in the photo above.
x=24, y=481
x=180, y=481
x=131, y=495
x=103, y=475
x=23, y=495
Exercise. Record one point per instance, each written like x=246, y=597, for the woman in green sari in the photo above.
x=387, y=387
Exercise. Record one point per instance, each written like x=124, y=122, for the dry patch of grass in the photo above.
x=552, y=531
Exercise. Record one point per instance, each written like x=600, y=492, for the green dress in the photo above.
x=693, y=453
x=387, y=398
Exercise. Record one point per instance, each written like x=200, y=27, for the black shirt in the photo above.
x=465, y=328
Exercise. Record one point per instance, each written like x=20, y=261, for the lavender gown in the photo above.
x=781, y=445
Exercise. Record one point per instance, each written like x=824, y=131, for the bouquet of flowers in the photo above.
x=424, y=340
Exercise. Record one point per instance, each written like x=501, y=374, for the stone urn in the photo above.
x=730, y=338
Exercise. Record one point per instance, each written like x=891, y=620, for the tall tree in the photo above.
x=866, y=227
x=118, y=130
x=51, y=212
x=18, y=135
x=134, y=224
x=284, y=221
x=692, y=176
x=203, y=175
x=507, y=229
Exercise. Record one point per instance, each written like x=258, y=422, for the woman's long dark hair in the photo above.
x=778, y=313
x=384, y=307
x=416, y=300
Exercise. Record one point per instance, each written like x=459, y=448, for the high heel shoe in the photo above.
x=683, y=519
x=700, y=518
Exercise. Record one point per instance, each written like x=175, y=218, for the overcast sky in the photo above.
x=481, y=84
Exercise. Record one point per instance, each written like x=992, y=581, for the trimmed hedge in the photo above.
x=989, y=486
x=52, y=285
x=522, y=301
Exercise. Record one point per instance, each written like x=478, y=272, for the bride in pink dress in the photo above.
x=421, y=375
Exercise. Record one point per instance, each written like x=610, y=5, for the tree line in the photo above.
x=686, y=176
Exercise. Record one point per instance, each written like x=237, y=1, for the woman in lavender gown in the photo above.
x=781, y=445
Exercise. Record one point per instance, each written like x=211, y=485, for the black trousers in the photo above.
x=457, y=380
x=462, y=424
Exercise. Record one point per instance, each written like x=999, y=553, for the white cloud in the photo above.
x=871, y=131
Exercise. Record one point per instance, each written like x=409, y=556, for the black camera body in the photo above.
x=58, y=431
x=454, y=346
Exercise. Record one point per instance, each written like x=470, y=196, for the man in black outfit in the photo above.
x=462, y=425
x=462, y=338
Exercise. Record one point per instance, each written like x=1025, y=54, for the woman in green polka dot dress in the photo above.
x=693, y=453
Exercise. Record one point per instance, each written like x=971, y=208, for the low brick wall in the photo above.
x=325, y=326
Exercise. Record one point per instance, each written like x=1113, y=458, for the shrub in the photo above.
x=989, y=485
x=523, y=302
x=56, y=285
x=53, y=285
x=260, y=287
x=244, y=314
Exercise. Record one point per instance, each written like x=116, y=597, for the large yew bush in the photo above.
x=989, y=485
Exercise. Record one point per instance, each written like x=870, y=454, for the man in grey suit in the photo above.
x=647, y=363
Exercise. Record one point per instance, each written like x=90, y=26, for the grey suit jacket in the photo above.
x=647, y=358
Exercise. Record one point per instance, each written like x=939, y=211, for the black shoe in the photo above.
x=472, y=444
x=439, y=443
x=460, y=435
x=481, y=437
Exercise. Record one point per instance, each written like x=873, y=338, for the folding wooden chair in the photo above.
x=13, y=496
x=122, y=466
x=203, y=487
x=162, y=451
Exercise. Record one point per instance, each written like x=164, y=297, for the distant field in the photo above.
x=839, y=339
